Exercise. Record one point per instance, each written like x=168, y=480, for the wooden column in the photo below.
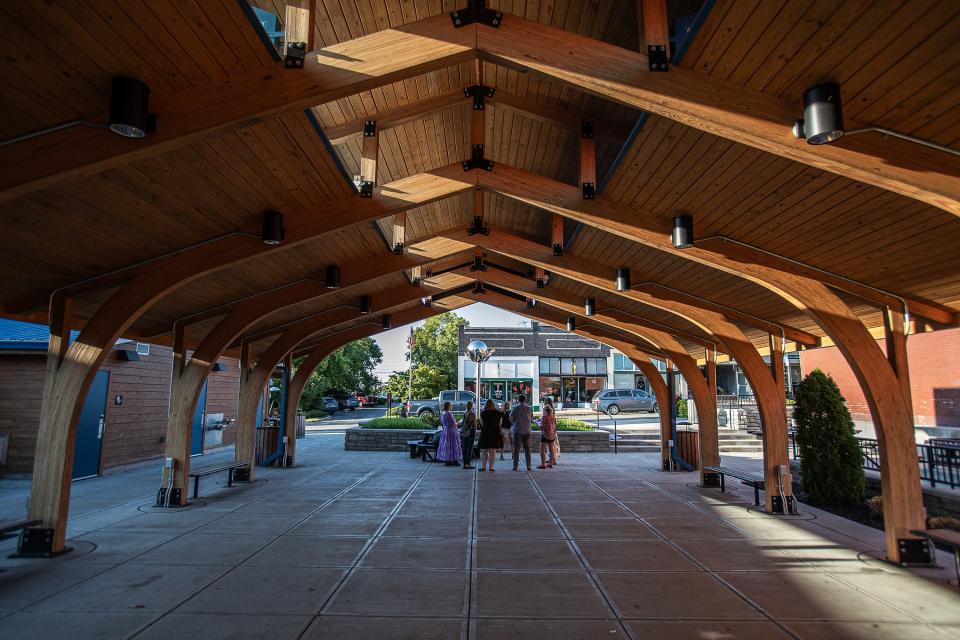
x=556, y=235
x=369, y=150
x=778, y=449
x=709, y=438
x=588, y=162
x=295, y=387
x=399, y=232
x=656, y=27
x=659, y=387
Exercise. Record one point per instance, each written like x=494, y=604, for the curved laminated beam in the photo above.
x=892, y=415
x=718, y=107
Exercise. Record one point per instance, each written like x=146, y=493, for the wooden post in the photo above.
x=556, y=235
x=369, y=150
x=656, y=27
x=588, y=162
x=540, y=275
x=709, y=438
x=399, y=232
x=778, y=449
x=659, y=387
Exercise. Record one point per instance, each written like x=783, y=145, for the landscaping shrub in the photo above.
x=831, y=460
x=682, y=408
x=313, y=414
x=430, y=419
x=569, y=424
x=394, y=423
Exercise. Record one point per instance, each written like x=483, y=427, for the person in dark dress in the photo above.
x=490, y=438
x=505, y=427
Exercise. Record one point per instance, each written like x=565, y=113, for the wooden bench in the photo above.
x=9, y=526
x=209, y=471
x=745, y=477
x=946, y=537
x=426, y=447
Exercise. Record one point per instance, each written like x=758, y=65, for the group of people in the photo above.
x=497, y=427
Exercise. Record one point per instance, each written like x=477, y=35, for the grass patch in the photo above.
x=394, y=423
x=569, y=424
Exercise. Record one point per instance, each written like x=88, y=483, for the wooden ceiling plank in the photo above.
x=718, y=107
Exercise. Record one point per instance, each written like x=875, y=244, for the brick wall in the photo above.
x=934, y=360
x=21, y=387
x=133, y=430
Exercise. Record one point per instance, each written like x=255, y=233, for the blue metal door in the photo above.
x=86, y=449
x=196, y=437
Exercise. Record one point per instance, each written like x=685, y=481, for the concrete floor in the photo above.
x=354, y=545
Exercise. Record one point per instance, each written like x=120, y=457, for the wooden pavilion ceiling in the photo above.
x=898, y=63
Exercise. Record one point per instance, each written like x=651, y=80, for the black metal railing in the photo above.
x=939, y=460
x=733, y=402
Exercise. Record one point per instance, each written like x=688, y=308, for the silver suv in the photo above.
x=613, y=401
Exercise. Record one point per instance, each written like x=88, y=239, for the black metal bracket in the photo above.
x=914, y=551
x=428, y=272
x=586, y=130
x=478, y=264
x=296, y=55
x=477, y=161
x=366, y=188
x=657, y=56
x=398, y=249
x=175, y=494
x=476, y=11
x=37, y=543
x=776, y=505
x=589, y=191
x=709, y=479
x=478, y=92
x=540, y=283
x=369, y=128
x=415, y=282
x=241, y=475
x=558, y=250
x=288, y=462
x=478, y=227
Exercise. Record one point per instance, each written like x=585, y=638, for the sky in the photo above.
x=394, y=342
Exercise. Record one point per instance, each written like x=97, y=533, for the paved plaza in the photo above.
x=376, y=545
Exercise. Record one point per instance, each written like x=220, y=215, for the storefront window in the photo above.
x=550, y=387
x=592, y=385
x=566, y=366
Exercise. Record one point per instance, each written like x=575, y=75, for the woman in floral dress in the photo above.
x=449, y=452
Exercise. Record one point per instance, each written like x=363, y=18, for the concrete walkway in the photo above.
x=376, y=545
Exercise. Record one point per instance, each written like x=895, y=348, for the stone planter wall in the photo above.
x=357, y=439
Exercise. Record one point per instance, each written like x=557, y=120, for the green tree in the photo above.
x=427, y=382
x=349, y=368
x=436, y=345
x=831, y=459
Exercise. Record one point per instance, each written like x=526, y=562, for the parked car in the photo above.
x=613, y=401
x=329, y=405
x=458, y=401
x=347, y=402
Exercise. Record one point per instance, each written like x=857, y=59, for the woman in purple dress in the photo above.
x=449, y=452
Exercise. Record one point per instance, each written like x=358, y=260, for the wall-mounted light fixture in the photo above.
x=366, y=304
x=682, y=231
x=130, y=114
x=589, y=306
x=332, y=277
x=822, y=115
x=623, y=279
x=273, y=231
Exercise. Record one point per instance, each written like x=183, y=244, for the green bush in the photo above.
x=682, y=411
x=831, y=461
x=313, y=414
x=569, y=424
x=394, y=423
x=430, y=419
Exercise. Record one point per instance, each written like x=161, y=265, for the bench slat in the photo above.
x=13, y=525
x=943, y=536
x=211, y=470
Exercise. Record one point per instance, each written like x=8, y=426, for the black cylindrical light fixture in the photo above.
x=387, y=321
x=822, y=114
x=129, y=107
x=478, y=289
x=589, y=306
x=273, y=231
x=426, y=301
x=531, y=303
x=623, y=279
x=332, y=277
x=571, y=324
x=682, y=231
x=366, y=304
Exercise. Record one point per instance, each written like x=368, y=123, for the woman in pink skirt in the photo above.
x=449, y=451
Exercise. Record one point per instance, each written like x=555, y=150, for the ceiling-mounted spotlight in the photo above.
x=623, y=279
x=682, y=231
x=531, y=303
x=571, y=324
x=479, y=290
x=822, y=115
x=426, y=301
x=129, y=108
x=332, y=278
x=387, y=321
x=589, y=306
x=273, y=230
x=366, y=304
